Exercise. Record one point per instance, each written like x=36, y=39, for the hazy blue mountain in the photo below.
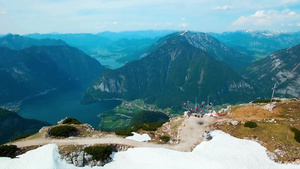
x=281, y=67
x=143, y=34
x=33, y=70
x=120, y=46
x=176, y=71
x=17, y=42
x=12, y=125
x=84, y=41
x=258, y=43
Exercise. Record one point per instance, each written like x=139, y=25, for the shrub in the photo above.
x=63, y=131
x=99, y=152
x=155, y=125
x=165, y=138
x=71, y=120
x=124, y=132
x=8, y=151
x=146, y=127
x=147, y=117
x=297, y=134
x=266, y=101
x=250, y=124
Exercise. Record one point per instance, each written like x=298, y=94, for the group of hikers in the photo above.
x=195, y=108
x=199, y=110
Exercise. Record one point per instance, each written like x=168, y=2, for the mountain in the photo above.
x=213, y=47
x=31, y=71
x=281, y=67
x=84, y=41
x=12, y=125
x=120, y=46
x=258, y=43
x=176, y=71
x=17, y=42
x=142, y=34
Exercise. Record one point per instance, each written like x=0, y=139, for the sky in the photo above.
x=94, y=16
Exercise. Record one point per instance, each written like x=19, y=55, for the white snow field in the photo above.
x=222, y=152
x=139, y=137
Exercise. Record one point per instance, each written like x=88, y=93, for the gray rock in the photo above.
x=234, y=123
x=68, y=160
x=88, y=157
x=92, y=163
x=73, y=154
x=99, y=163
x=80, y=158
x=74, y=160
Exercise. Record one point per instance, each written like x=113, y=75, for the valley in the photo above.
x=162, y=84
x=120, y=89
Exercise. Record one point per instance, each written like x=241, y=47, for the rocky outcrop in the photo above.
x=281, y=67
x=80, y=158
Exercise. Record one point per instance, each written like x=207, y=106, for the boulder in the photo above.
x=80, y=159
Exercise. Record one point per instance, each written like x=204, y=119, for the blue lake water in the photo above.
x=65, y=102
x=110, y=63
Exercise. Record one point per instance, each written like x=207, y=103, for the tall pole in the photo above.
x=273, y=92
x=208, y=100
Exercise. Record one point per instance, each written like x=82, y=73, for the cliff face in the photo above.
x=36, y=69
x=176, y=71
x=281, y=67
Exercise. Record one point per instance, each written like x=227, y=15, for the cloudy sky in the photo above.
x=93, y=16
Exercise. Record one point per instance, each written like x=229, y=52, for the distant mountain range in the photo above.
x=17, y=42
x=258, y=44
x=281, y=67
x=34, y=70
x=12, y=125
x=176, y=67
x=181, y=67
x=122, y=46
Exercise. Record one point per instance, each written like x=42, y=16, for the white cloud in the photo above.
x=3, y=12
x=169, y=24
x=222, y=8
x=183, y=25
x=268, y=18
x=259, y=14
x=284, y=2
x=115, y=23
x=292, y=13
x=298, y=24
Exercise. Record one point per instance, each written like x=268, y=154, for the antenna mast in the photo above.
x=273, y=92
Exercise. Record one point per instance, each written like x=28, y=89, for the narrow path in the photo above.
x=190, y=134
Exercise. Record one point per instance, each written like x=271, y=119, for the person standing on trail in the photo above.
x=203, y=104
x=208, y=134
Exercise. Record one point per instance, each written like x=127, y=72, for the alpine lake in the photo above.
x=65, y=102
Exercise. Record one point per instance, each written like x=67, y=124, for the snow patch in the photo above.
x=139, y=137
x=182, y=33
x=222, y=152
